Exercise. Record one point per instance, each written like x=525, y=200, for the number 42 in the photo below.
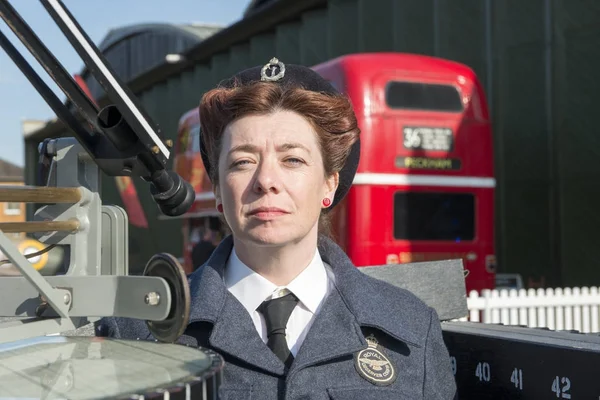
x=564, y=391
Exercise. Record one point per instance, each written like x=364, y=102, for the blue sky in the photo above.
x=20, y=101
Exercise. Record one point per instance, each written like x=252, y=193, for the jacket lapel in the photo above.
x=335, y=333
x=233, y=331
x=368, y=299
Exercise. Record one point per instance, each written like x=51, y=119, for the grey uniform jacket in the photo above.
x=406, y=360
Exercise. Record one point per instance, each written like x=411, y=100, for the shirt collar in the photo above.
x=251, y=289
x=311, y=285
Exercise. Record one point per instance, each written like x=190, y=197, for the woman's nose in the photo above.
x=266, y=178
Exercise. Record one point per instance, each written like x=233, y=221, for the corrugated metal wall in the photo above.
x=576, y=85
x=537, y=60
x=520, y=96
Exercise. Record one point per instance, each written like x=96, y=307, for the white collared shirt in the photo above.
x=311, y=287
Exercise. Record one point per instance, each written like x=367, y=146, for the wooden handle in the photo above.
x=39, y=194
x=39, y=226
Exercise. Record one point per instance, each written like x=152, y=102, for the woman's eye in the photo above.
x=294, y=161
x=240, y=163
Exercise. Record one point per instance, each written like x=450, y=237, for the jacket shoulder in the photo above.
x=407, y=318
x=381, y=307
x=395, y=310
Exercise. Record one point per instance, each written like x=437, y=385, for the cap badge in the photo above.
x=273, y=71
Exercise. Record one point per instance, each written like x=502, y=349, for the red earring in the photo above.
x=220, y=208
x=326, y=202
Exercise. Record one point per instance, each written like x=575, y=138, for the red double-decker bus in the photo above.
x=425, y=184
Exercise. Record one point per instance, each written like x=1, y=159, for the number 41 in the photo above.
x=517, y=378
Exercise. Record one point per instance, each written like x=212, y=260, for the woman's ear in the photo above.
x=217, y=195
x=331, y=185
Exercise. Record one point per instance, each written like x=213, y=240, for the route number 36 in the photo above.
x=561, y=387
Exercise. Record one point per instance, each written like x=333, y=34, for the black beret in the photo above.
x=292, y=75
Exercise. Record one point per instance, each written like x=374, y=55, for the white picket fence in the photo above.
x=556, y=309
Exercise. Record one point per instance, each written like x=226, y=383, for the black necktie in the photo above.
x=277, y=313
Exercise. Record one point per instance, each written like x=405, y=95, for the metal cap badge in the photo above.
x=272, y=66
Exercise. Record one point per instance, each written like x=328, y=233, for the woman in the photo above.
x=278, y=299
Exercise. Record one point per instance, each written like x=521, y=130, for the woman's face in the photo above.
x=271, y=178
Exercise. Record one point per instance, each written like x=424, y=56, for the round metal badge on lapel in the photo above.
x=374, y=366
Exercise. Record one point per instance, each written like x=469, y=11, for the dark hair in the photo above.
x=331, y=116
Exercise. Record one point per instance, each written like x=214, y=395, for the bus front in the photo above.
x=425, y=186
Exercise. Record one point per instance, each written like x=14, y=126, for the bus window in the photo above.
x=434, y=216
x=422, y=96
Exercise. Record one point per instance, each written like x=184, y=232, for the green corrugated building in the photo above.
x=536, y=59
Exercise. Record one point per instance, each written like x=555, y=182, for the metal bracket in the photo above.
x=115, y=243
x=96, y=283
x=54, y=297
x=72, y=167
x=140, y=297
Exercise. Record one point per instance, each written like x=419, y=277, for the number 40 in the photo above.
x=483, y=372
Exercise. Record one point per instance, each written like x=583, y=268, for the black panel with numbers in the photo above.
x=508, y=362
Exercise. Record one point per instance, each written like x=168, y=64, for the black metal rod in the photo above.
x=128, y=105
x=47, y=60
x=51, y=99
x=135, y=138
